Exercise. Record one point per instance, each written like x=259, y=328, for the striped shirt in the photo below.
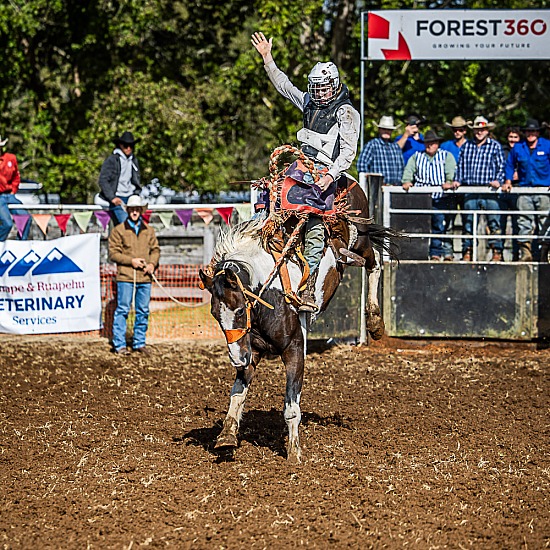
x=425, y=170
x=480, y=165
x=382, y=157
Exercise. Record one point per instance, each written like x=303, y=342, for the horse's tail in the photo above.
x=385, y=239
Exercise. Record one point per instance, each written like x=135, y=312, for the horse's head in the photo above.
x=232, y=308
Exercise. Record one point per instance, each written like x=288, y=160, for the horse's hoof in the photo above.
x=226, y=440
x=376, y=327
x=377, y=335
x=294, y=455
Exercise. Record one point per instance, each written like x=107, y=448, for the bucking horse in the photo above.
x=254, y=299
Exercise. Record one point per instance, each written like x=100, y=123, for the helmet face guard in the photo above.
x=323, y=83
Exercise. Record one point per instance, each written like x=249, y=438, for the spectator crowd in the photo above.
x=522, y=162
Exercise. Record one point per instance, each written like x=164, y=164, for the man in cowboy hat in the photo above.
x=9, y=184
x=381, y=155
x=120, y=177
x=531, y=160
x=133, y=246
x=434, y=166
x=481, y=162
x=411, y=140
x=459, y=127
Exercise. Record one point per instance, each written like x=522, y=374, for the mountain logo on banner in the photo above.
x=54, y=262
x=6, y=260
x=27, y=262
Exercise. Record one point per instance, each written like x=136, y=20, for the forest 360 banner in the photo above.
x=50, y=286
x=458, y=34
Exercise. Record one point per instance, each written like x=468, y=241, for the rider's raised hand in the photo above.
x=260, y=42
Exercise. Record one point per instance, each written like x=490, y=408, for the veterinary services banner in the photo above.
x=458, y=34
x=50, y=286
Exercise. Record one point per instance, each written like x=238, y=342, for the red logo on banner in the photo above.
x=379, y=29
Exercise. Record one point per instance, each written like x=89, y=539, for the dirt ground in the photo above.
x=406, y=444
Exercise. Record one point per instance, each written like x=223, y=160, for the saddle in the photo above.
x=291, y=195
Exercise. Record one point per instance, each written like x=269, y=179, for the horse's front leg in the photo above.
x=243, y=379
x=375, y=323
x=293, y=358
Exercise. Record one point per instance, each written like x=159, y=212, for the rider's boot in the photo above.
x=307, y=296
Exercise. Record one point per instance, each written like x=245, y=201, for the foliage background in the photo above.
x=183, y=76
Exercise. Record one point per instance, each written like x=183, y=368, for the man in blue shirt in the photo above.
x=459, y=127
x=411, y=140
x=481, y=162
x=531, y=160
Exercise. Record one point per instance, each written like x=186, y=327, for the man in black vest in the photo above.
x=329, y=137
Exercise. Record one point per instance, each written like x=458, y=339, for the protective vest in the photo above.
x=319, y=137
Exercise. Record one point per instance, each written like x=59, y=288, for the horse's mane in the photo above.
x=239, y=243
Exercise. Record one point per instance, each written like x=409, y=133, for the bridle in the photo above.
x=235, y=334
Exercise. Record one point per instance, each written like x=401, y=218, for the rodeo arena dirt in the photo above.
x=406, y=443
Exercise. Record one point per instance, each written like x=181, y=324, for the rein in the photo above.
x=235, y=334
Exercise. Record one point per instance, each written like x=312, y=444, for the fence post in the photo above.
x=363, y=301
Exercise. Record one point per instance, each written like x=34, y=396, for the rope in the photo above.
x=183, y=304
x=290, y=243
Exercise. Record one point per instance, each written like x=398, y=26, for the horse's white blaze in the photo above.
x=227, y=317
x=227, y=322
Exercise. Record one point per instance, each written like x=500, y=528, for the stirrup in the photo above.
x=307, y=303
x=356, y=260
x=308, y=307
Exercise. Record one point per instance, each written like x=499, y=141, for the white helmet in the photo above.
x=323, y=83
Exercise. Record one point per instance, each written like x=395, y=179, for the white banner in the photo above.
x=458, y=34
x=50, y=286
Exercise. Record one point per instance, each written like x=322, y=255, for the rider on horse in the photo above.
x=329, y=137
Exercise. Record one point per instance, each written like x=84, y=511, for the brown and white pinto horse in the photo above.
x=255, y=326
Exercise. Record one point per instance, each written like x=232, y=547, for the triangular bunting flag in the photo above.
x=42, y=221
x=244, y=212
x=225, y=212
x=62, y=221
x=20, y=222
x=103, y=217
x=184, y=216
x=82, y=219
x=206, y=214
x=147, y=215
x=166, y=218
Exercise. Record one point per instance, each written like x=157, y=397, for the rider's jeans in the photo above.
x=482, y=202
x=6, y=221
x=314, y=241
x=124, y=293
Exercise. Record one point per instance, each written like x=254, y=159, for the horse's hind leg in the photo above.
x=375, y=323
x=228, y=435
x=293, y=358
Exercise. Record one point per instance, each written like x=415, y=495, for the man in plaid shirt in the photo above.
x=481, y=162
x=381, y=155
